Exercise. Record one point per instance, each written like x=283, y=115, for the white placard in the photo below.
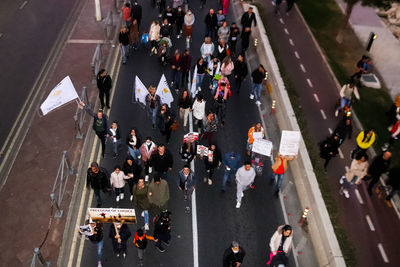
x=290, y=142
x=85, y=230
x=191, y=137
x=202, y=150
x=257, y=135
x=262, y=146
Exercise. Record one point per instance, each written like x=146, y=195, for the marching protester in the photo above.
x=133, y=143
x=147, y=149
x=240, y=72
x=224, y=31
x=126, y=14
x=97, y=179
x=214, y=70
x=162, y=229
x=227, y=67
x=176, y=66
x=346, y=94
x=207, y=49
x=134, y=35
x=329, y=149
x=158, y=193
x=258, y=76
x=104, y=84
x=153, y=103
x=115, y=137
x=133, y=171
x=255, y=132
x=170, y=15
x=140, y=241
x=245, y=176
x=344, y=129
x=221, y=96
x=136, y=12
x=201, y=72
x=278, y=170
x=234, y=255
x=166, y=29
x=117, y=181
x=212, y=161
x=280, y=243
x=119, y=235
x=184, y=104
x=124, y=43
x=188, y=151
x=188, y=22
x=187, y=184
x=162, y=161
x=245, y=36
x=165, y=119
x=96, y=238
x=379, y=165
x=211, y=24
x=198, y=109
x=220, y=17
x=234, y=34
x=231, y=163
x=248, y=18
x=141, y=201
x=355, y=174
x=179, y=15
x=393, y=182
x=154, y=34
x=186, y=65
x=222, y=49
x=209, y=126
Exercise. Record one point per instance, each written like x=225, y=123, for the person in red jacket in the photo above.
x=176, y=63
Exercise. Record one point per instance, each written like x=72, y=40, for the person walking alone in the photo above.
x=240, y=72
x=187, y=184
x=104, y=84
x=380, y=164
x=281, y=242
x=278, y=170
x=97, y=179
x=245, y=176
x=233, y=256
x=258, y=75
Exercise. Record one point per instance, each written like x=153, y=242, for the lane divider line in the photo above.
x=309, y=83
x=383, y=253
x=291, y=42
x=369, y=221
x=23, y=5
x=359, y=196
x=341, y=154
x=323, y=114
x=296, y=54
x=281, y=20
x=286, y=31
x=86, y=41
x=330, y=131
x=317, y=99
x=302, y=68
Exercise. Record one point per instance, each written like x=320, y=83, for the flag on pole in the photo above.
x=193, y=89
x=140, y=91
x=63, y=93
x=164, y=92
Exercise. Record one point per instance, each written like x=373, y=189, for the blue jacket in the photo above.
x=232, y=163
x=190, y=181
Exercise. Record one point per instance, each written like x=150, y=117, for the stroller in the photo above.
x=164, y=46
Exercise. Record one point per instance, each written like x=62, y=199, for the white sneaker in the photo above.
x=146, y=227
x=336, y=113
x=205, y=179
x=99, y=264
x=150, y=170
x=199, y=89
x=258, y=103
x=146, y=178
x=124, y=255
x=346, y=193
x=238, y=205
x=251, y=96
x=121, y=196
x=242, y=194
x=131, y=197
x=341, y=181
x=117, y=199
x=209, y=182
x=142, y=214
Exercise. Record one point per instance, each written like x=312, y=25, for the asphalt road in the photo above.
x=27, y=34
x=219, y=222
x=317, y=95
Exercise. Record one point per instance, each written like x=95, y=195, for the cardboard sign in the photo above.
x=257, y=135
x=290, y=142
x=85, y=230
x=112, y=215
x=202, y=150
x=262, y=146
x=191, y=137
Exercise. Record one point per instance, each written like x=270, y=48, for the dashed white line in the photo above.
x=23, y=5
x=346, y=168
x=359, y=196
x=323, y=114
x=330, y=131
x=340, y=154
x=317, y=99
x=302, y=68
x=369, y=221
x=309, y=82
x=1, y=35
x=291, y=42
x=286, y=31
x=296, y=54
x=384, y=257
x=281, y=20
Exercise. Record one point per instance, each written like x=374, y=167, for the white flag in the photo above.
x=164, y=92
x=63, y=93
x=140, y=91
x=193, y=89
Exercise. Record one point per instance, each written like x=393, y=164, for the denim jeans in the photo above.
x=256, y=90
x=99, y=249
x=153, y=114
x=116, y=145
x=278, y=182
x=146, y=216
x=176, y=78
x=344, y=102
x=227, y=177
x=135, y=155
x=124, y=52
x=199, y=80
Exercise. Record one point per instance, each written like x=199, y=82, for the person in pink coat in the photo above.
x=225, y=6
x=147, y=149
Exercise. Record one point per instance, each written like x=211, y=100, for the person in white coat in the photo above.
x=199, y=111
x=117, y=181
x=244, y=179
x=281, y=241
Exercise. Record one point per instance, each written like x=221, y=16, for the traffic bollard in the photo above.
x=304, y=216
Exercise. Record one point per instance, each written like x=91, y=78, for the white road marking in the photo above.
x=286, y=31
x=346, y=168
x=358, y=196
x=323, y=114
x=296, y=54
x=281, y=20
x=23, y=5
x=330, y=131
x=1, y=35
x=291, y=42
x=302, y=68
x=309, y=82
x=317, y=99
x=369, y=221
x=341, y=154
x=384, y=257
x=85, y=41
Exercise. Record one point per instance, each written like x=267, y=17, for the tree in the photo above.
x=349, y=8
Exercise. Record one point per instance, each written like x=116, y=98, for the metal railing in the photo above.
x=96, y=61
x=60, y=184
x=108, y=26
x=79, y=116
x=38, y=258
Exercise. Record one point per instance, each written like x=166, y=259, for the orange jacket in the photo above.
x=250, y=134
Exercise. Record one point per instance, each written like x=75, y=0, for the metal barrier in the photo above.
x=38, y=257
x=108, y=26
x=79, y=116
x=96, y=61
x=60, y=184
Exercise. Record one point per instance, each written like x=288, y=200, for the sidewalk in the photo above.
x=385, y=50
x=25, y=200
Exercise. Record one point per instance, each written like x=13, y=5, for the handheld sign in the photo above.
x=262, y=146
x=290, y=142
x=112, y=215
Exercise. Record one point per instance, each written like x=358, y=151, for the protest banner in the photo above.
x=193, y=89
x=140, y=91
x=262, y=146
x=191, y=137
x=63, y=93
x=111, y=215
x=202, y=150
x=290, y=142
x=85, y=230
x=164, y=92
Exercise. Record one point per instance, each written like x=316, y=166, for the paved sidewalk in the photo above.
x=385, y=50
x=24, y=200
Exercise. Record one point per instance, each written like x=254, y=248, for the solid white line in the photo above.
x=302, y=68
x=281, y=20
x=296, y=54
x=369, y=221
x=341, y=154
x=291, y=42
x=317, y=99
x=286, y=31
x=330, y=130
x=309, y=83
x=359, y=196
x=85, y=41
x=23, y=5
x=385, y=258
x=323, y=114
